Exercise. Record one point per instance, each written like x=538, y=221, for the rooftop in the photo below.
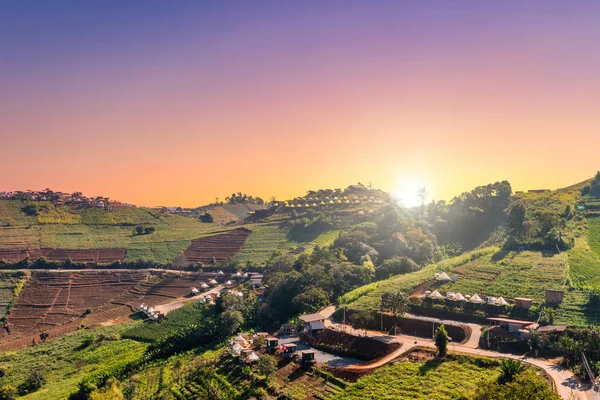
x=312, y=317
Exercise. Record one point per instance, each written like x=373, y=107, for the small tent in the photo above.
x=501, y=302
x=443, y=277
x=212, y=282
x=236, y=348
x=204, y=285
x=228, y=283
x=436, y=295
x=194, y=291
x=477, y=299
x=221, y=273
x=459, y=297
x=238, y=273
x=252, y=357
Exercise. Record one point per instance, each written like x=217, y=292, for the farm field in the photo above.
x=457, y=378
x=260, y=245
x=510, y=274
x=177, y=319
x=217, y=247
x=63, y=362
x=594, y=234
x=65, y=227
x=57, y=303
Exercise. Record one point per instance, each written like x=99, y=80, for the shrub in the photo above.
x=8, y=392
x=33, y=382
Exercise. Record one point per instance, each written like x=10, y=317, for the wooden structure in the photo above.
x=308, y=357
x=523, y=302
x=554, y=296
x=272, y=343
x=290, y=350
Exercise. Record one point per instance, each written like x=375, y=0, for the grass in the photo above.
x=451, y=379
x=369, y=296
x=63, y=362
x=10, y=286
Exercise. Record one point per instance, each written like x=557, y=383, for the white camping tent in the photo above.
x=236, y=348
x=443, y=277
x=436, y=295
x=501, y=301
x=212, y=282
x=220, y=273
x=195, y=291
x=253, y=357
x=228, y=283
x=459, y=297
x=204, y=285
x=477, y=299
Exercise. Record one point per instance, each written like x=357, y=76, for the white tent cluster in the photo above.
x=436, y=295
x=443, y=277
x=149, y=311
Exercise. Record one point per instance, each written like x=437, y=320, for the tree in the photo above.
x=230, y=321
x=149, y=230
x=361, y=319
x=33, y=382
x=396, y=302
x=395, y=266
x=509, y=369
x=311, y=300
x=441, y=341
x=266, y=365
x=139, y=230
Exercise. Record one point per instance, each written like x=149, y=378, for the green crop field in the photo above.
x=584, y=268
x=369, y=296
x=177, y=319
x=63, y=362
x=594, y=234
x=452, y=379
x=264, y=240
x=68, y=227
x=526, y=274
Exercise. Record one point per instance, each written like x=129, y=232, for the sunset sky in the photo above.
x=178, y=102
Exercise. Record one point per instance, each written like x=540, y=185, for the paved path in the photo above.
x=321, y=356
x=567, y=385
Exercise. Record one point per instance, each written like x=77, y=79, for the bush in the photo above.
x=8, y=392
x=33, y=382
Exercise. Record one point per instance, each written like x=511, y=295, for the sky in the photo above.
x=177, y=103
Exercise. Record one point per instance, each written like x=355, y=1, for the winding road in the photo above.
x=567, y=385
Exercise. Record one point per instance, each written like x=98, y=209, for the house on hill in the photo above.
x=313, y=322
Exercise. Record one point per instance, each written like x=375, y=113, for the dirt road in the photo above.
x=181, y=301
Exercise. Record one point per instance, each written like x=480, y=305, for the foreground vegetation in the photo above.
x=458, y=377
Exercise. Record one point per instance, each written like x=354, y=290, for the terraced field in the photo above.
x=260, y=245
x=218, y=247
x=526, y=274
x=57, y=303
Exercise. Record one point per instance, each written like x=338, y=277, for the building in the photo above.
x=313, y=322
x=501, y=326
x=554, y=296
x=523, y=302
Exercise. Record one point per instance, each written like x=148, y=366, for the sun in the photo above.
x=407, y=192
